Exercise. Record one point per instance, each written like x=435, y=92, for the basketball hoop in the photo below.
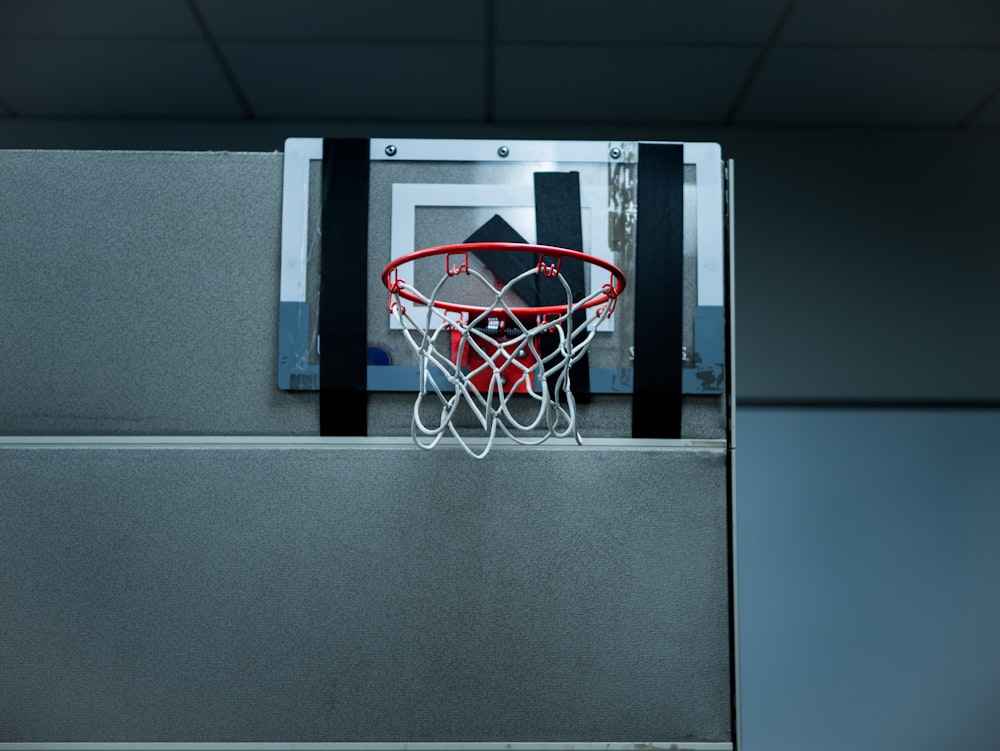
x=492, y=355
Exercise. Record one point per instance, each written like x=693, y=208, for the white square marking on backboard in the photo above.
x=406, y=197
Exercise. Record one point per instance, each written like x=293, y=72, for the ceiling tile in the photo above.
x=624, y=21
x=618, y=84
x=894, y=22
x=454, y=20
x=864, y=85
x=361, y=81
x=113, y=78
x=149, y=18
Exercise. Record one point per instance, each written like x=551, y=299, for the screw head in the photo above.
x=615, y=153
x=390, y=150
x=503, y=152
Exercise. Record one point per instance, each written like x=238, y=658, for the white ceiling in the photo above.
x=708, y=62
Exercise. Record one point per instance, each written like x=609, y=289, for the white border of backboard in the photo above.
x=707, y=159
x=299, y=152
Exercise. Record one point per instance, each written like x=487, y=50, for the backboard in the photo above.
x=656, y=210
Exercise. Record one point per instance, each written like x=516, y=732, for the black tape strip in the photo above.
x=343, y=326
x=558, y=222
x=506, y=266
x=658, y=288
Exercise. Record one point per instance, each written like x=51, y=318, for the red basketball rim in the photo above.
x=609, y=292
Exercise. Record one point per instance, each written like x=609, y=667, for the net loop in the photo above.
x=549, y=270
x=612, y=293
x=456, y=269
x=394, y=284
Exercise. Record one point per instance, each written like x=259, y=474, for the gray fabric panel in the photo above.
x=363, y=594
x=140, y=295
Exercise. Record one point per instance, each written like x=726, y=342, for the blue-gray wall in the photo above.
x=868, y=552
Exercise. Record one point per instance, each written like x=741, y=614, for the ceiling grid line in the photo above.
x=6, y=109
x=884, y=46
x=976, y=111
x=748, y=82
x=619, y=43
x=489, y=61
x=220, y=59
x=349, y=42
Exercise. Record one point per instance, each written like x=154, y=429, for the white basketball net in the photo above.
x=490, y=365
